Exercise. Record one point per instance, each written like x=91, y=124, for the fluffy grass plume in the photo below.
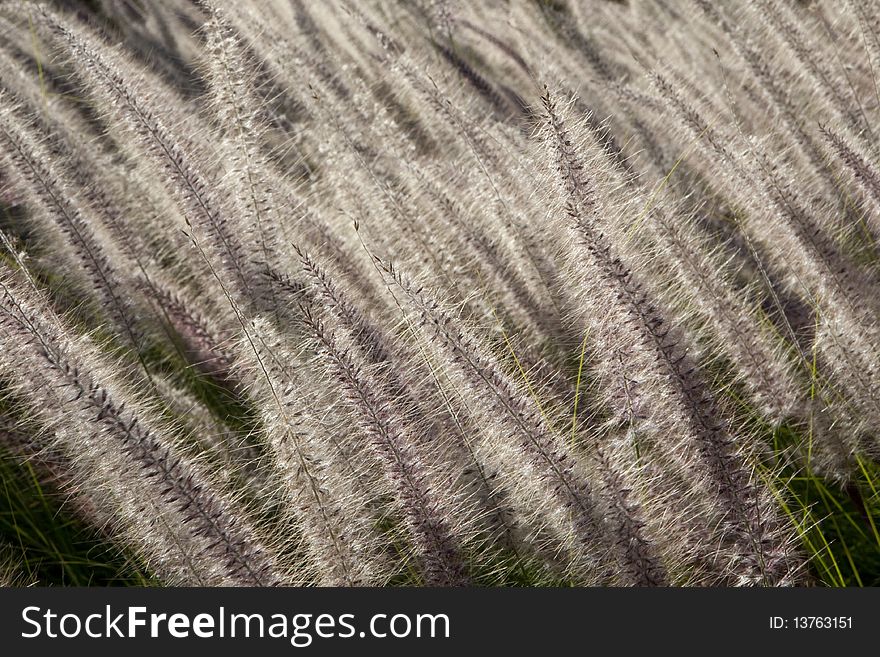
x=347, y=293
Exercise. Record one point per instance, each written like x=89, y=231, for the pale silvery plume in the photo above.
x=536, y=467
x=181, y=523
x=670, y=405
x=334, y=529
x=776, y=215
x=54, y=201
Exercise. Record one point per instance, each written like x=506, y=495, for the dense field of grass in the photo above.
x=435, y=292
